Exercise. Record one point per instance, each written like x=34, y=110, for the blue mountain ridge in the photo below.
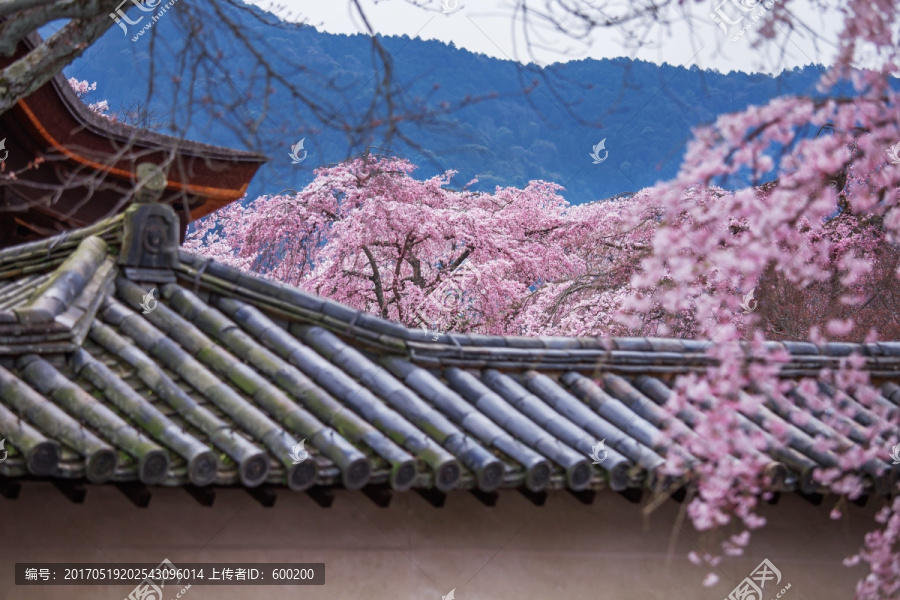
x=643, y=111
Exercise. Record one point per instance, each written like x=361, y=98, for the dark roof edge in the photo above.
x=62, y=241
x=343, y=319
x=662, y=355
x=129, y=134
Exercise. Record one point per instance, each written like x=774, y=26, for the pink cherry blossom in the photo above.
x=810, y=255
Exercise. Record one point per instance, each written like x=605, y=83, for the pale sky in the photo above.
x=488, y=27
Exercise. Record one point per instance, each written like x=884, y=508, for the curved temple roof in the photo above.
x=220, y=381
x=91, y=165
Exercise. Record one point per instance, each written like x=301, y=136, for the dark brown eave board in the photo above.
x=54, y=123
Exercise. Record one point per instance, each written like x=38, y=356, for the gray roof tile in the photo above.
x=221, y=381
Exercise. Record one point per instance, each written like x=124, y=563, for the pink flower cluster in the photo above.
x=817, y=250
x=82, y=89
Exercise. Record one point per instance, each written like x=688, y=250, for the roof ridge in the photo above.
x=53, y=313
x=55, y=296
x=385, y=334
x=54, y=246
x=345, y=320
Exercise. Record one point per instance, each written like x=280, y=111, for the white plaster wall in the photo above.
x=411, y=550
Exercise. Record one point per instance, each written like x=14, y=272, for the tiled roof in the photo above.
x=91, y=157
x=219, y=383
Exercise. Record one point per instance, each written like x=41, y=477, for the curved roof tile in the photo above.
x=233, y=379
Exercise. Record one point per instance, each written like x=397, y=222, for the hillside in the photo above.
x=643, y=111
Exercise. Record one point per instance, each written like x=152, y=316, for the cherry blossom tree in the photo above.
x=83, y=89
x=827, y=223
x=807, y=250
x=367, y=233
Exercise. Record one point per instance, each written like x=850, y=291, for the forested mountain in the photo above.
x=643, y=111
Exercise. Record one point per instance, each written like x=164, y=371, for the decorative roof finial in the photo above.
x=151, y=181
x=150, y=242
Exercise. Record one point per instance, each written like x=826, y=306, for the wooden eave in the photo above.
x=55, y=124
